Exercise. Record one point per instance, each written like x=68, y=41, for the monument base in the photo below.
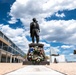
x=36, y=55
x=35, y=44
x=41, y=63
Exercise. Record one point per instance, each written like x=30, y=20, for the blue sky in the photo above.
x=57, y=20
x=69, y=14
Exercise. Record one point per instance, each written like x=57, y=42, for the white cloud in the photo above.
x=13, y=20
x=60, y=15
x=13, y=32
x=47, y=51
x=46, y=48
x=71, y=54
x=67, y=46
x=60, y=31
x=54, y=41
x=54, y=50
x=18, y=36
x=45, y=44
x=27, y=9
x=0, y=26
x=66, y=52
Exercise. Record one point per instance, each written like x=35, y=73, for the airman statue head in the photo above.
x=34, y=20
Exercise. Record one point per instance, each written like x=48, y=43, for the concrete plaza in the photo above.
x=66, y=68
x=35, y=70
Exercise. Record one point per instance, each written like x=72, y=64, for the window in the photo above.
x=0, y=44
x=1, y=34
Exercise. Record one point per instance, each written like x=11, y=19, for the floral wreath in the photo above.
x=35, y=55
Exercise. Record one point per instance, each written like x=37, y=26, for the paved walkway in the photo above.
x=35, y=70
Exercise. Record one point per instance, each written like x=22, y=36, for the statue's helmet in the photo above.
x=34, y=19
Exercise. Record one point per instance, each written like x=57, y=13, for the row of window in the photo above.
x=13, y=46
x=10, y=49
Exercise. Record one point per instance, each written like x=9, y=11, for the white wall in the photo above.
x=60, y=58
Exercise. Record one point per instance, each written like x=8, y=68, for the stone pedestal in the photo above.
x=41, y=63
x=33, y=45
x=36, y=58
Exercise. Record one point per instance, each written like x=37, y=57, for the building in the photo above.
x=59, y=59
x=9, y=52
x=55, y=56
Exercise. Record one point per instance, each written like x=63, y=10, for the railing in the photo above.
x=6, y=48
x=11, y=50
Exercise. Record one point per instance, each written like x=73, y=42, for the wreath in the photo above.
x=36, y=55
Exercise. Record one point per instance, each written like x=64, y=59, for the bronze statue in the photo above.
x=34, y=30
